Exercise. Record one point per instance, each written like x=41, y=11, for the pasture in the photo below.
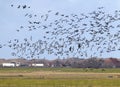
x=59, y=77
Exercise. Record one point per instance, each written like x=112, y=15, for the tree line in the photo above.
x=69, y=62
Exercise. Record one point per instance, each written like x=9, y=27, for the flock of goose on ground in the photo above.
x=68, y=35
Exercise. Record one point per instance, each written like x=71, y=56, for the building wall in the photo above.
x=37, y=65
x=8, y=65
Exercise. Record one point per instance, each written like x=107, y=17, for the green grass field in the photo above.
x=59, y=77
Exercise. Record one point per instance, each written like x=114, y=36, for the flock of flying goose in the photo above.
x=69, y=35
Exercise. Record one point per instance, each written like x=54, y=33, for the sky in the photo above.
x=12, y=18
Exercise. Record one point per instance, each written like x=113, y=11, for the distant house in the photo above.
x=37, y=65
x=17, y=64
x=8, y=64
x=112, y=62
x=12, y=64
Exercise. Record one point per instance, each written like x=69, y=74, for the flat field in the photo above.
x=59, y=77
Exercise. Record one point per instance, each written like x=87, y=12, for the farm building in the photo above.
x=37, y=65
x=112, y=62
x=10, y=64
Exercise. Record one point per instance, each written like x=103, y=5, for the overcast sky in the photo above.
x=12, y=18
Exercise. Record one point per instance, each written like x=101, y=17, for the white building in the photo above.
x=11, y=64
x=37, y=65
x=17, y=64
x=8, y=64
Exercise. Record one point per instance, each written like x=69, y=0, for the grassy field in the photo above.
x=59, y=77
